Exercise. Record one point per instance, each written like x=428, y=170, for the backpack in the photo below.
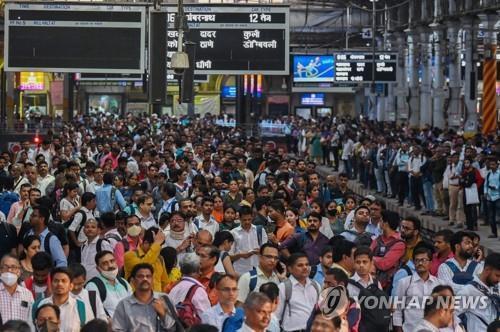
x=288, y=296
x=372, y=319
x=256, y=182
x=252, y=282
x=99, y=244
x=234, y=322
x=178, y=326
x=101, y=287
x=259, y=235
x=364, y=239
x=494, y=298
x=6, y=200
x=186, y=310
x=380, y=250
x=462, y=277
x=80, y=307
x=80, y=226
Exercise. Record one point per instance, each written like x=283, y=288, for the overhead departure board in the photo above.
x=235, y=39
x=357, y=67
x=84, y=38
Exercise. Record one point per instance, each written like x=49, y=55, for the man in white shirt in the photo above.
x=298, y=294
x=145, y=204
x=86, y=212
x=486, y=286
x=44, y=177
x=363, y=265
x=414, y=164
x=15, y=300
x=258, y=310
x=79, y=292
x=190, y=269
x=227, y=292
x=247, y=242
x=417, y=285
x=91, y=247
x=74, y=313
x=206, y=220
x=462, y=268
x=109, y=288
x=264, y=273
x=437, y=316
x=177, y=236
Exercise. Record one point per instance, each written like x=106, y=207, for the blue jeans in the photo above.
x=429, y=199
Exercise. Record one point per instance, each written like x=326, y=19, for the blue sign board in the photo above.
x=313, y=68
x=228, y=92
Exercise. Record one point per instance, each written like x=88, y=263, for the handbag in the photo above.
x=471, y=195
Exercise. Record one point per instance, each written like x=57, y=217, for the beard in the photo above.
x=466, y=255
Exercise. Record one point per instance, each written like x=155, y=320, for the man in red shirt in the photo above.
x=388, y=249
x=443, y=249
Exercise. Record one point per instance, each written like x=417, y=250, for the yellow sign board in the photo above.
x=32, y=81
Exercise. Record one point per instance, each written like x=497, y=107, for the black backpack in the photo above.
x=375, y=319
x=101, y=287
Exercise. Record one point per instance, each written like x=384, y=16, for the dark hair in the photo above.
x=494, y=326
x=363, y=251
x=415, y=221
x=380, y=203
x=222, y=236
x=422, y=250
x=343, y=175
x=143, y=198
x=108, y=219
x=203, y=328
x=260, y=202
x=267, y=245
x=149, y=235
x=339, y=275
x=15, y=325
x=271, y=290
x=457, y=238
x=41, y=261
x=169, y=255
x=315, y=215
x=325, y=250
x=62, y=270
x=207, y=199
x=44, y=212
x=108, y=178
x=27, y=241
x=141, y=266
x=245, y=211
x=295, y=257
x=100, y=255
x=35, y=190
x=68, y=187
x=169, y=189
x=49, y=305
x=87, y=197
x=320, y=203
x=77, y=270
x=446, y=234
x=493, y=261
x=213, y=252
x=96, y=325
x=391, y=218
x=278, y=206
x=342, y=248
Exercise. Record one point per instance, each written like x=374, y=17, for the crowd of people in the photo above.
x=161, y=224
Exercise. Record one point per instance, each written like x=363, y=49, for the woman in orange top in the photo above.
x=218, y=212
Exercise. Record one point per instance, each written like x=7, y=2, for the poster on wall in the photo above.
x=105, y=103
x=203, y=104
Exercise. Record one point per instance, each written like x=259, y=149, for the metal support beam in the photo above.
x=425, y=85
x=413, y=78
x=402, y=86
x=438, y=82
x=454, y=113
x=470, y=81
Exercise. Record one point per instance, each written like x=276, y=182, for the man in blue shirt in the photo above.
x=492, y=194
x=108, y=196
x=325, y=262
x=39, y=219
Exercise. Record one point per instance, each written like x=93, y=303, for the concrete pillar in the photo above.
x=438, y=79
x=470, y=81
x=425, y=85
x=489, y=105
x=401, y=82
x=454, y=114
x=413, y=78
x=10, y=104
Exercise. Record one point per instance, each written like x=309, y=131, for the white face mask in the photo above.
x=134, y=231
x=111, y=275
x=8, y=278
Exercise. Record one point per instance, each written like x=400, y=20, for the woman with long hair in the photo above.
x=70, y=203
x=224, y=240
x=31, y=245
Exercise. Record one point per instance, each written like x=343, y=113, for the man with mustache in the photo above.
x=144, y=310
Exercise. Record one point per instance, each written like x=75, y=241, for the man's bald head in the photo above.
x=203, y=238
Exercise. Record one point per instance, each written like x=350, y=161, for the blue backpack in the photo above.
x=462, y=277
x=234, y=322
x=7, y=198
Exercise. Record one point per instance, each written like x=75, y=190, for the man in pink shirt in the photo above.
x=388, y=249
x=113, y=155
x=18, y=209
x=443, y=249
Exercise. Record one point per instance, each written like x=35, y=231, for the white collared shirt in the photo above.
x=446, y=274
x=245, y=328
x=413, y=287
x=70, y=319
x=89, y=250
x=244, y=283
x=43, y=183
x=77, y=219
x=114, y=293
x=245, y=241
x=212, y=225
x=300, y=306
x=353, y=290
x=424, y=326
x=85, y=298
x=215, y=316
x=488, y=314
x=148, y=221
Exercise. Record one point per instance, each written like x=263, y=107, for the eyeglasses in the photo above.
x=271, y=257
x=406, y=228
x=422, y=261
x=13, y=268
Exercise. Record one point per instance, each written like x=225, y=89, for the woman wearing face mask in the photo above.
x=14, y=296
x=336, y=223
x=31, y=244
